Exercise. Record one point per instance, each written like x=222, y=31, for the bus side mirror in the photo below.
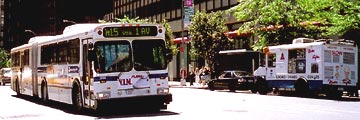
x=91, y=55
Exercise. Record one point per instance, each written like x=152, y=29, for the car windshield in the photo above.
x=241, y=73
x=149, y=55
x=113, y=56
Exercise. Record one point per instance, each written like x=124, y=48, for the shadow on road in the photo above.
x=292, y=94
x=318, y=96
x=103, y=114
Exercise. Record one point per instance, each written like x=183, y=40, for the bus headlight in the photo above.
x=104, y=95
x=163, y=90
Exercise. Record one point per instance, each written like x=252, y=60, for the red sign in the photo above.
x=125, y=82
x=181, y=49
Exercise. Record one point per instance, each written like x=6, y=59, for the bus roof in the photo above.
x=42, y=38
x=90, y=27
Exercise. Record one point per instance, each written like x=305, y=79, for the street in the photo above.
x=192, y=103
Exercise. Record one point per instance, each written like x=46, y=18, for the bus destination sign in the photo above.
x=133, y=31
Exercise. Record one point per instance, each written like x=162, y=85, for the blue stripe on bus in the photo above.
x=313, y=84
x=115, y=78
x=158, y=75
x=108, y=78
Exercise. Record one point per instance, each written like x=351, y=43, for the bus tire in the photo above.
x=76, y=97
x=301, y=87
x=44, y=92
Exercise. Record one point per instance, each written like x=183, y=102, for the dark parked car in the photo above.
x=233, y=80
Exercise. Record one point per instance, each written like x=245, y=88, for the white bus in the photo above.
x=95, y=66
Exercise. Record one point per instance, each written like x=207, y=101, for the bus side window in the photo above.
x=74, y=51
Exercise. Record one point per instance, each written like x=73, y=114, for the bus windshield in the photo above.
x=116, y=56
x=149, y=54
x=113, y=56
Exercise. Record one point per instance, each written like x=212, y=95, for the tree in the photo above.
x=279, y=21
x=4, y=58
x=207, y=36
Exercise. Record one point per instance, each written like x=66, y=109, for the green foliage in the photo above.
x=4, y=58
x=207, y=35
x=170, y=46
x=169, y=38
x=295, y=18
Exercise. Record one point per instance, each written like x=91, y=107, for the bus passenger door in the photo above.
x=86, y=75
x=22, y=83
x=33, y=65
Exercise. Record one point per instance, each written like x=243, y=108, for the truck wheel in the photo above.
x=301, y=87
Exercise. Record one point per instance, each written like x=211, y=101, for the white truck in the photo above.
x=306, y=65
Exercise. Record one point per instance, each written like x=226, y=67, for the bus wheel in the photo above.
x=44, y=93
x=76, y=97
x=301, y=87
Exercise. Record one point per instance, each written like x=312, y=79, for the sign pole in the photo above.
x=183, y=61
x=187, y=13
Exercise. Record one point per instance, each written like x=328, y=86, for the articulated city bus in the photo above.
x=95, y=66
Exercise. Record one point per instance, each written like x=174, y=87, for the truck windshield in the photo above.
x=113, y=56
x=149, y=54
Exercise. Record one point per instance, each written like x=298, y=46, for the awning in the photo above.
x=178, y=40
x=235, y=34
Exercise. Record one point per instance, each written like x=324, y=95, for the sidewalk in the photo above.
x=177, y=84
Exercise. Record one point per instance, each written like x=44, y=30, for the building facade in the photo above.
x=1, y=23
x=171, y=10
x=27, y=18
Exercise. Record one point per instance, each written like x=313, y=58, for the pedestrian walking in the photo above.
x=197, y=76
x=192, y=78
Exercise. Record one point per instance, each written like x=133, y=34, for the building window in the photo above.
x=203, y=6
x=178, y=13
x=233, y=2
x=168, y=15
x=210, y=5
x=217, y=4
x=197, y=7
